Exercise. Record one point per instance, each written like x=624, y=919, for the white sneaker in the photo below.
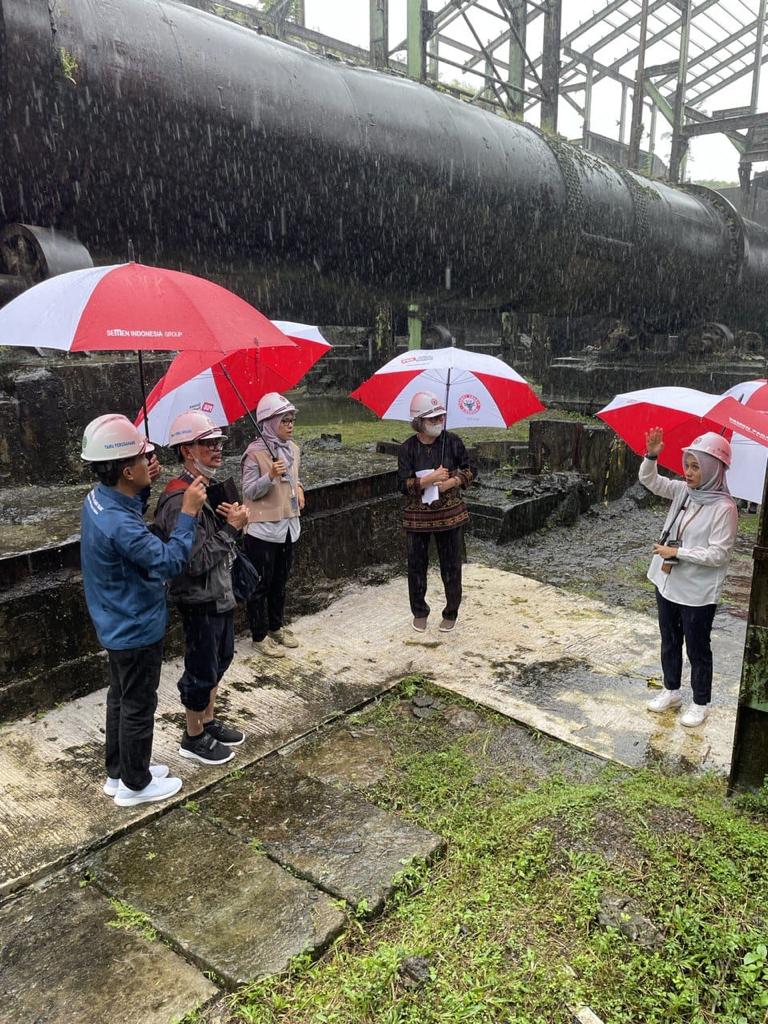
x=269, y=648
x=696, y=714
x=665, y=700
x=284, y=636
x=159, y=771
x=157, y=789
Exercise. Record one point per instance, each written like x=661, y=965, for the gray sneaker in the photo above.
x=269, y=648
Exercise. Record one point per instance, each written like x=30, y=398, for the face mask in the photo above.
x=433, y=429
x=209, y=471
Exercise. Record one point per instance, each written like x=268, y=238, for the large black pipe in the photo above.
x=215, y=148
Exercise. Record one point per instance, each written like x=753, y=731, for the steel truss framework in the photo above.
x=670, y=58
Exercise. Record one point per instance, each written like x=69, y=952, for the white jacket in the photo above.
x=708, y=537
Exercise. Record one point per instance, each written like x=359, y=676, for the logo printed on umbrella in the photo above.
x=207, y=407
x=469, y=404
x=119, y=332
x=417, y=359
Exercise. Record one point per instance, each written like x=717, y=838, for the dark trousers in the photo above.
x=273, y=563
x=678, y=622
x=209, y=646
x=449, y=551
x=131, y=702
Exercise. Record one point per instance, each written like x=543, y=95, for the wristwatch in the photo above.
x=652, y=458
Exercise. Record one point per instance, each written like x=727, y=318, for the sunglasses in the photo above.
x=213, y=444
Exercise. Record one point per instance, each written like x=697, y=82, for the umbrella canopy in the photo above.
x=683, y=414
x=743, y=410
x=233, y=385
x=478, y=390
x=130, y=306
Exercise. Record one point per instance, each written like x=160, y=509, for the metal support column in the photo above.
x=379, y=33
x=587, y=105
x=679, y=142
x=623, y=115
x=517, y=42
x=745, y=167
x=417, y=43
x=749, y=763
x=414, y=325
x=550, y=64
x=433, y=63
x=652, y=138
x=638, y=95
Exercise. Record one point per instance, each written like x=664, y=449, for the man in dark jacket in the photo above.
x=203, y=593
x=124, y=569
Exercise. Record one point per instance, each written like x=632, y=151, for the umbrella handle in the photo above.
x=248, y=412
x=445, y=428
x=143, y=395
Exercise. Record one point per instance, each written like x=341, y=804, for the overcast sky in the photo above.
x=712, y=156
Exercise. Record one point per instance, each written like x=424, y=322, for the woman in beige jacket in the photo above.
x=274, y=497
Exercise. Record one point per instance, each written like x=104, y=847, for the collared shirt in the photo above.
x=708, y=535
x=125, y=567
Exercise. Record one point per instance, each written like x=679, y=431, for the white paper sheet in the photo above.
x=430, y=493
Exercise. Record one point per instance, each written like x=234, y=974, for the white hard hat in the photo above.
x=425, y=405
x=191, y=426
x=113, y=437
x=272, y=404
x=712, y=444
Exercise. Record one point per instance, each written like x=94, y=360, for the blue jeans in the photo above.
x=678, y=622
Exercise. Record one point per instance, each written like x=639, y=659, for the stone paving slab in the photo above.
x=568, y=666
x=356, y=757
x=93, y=973
x=224, y=904
x=337, y=840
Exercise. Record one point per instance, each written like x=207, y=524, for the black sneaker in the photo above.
x=205, y=749
x=224, y=733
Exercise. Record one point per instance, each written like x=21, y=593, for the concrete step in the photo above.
x=92, y=973
x=335, y=839
x=225, y=905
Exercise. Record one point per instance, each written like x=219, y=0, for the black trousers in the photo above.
x=131, y=703
x=678, y=622
x=273, y=562
x=209, y=646
x=449, y=551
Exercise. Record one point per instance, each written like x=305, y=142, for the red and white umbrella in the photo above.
x=683, y=414
x=129, y=307
x=478, y=390
x=233, y=385
x=743, y=411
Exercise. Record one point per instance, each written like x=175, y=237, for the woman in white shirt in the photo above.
x=689, y=564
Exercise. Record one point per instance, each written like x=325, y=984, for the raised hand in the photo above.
x=194, y=497
x=654, y=440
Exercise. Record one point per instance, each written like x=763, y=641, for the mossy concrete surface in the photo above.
x=222, y=902
x=574, y=668
x=93, y=972
x=337, y=840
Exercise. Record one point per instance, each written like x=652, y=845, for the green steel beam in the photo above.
x=417, y=48
x=379, y=33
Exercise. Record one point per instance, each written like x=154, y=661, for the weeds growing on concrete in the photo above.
x=538, y=836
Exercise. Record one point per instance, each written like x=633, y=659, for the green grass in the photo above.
x=130, y=919
x=355, y=434
x=507, y=918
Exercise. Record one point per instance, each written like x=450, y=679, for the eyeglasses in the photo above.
x=213, y=444
x=288, y=419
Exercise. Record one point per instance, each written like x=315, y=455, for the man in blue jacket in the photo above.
x=125, y=567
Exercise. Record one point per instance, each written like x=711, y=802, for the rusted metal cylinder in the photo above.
x=304, y=182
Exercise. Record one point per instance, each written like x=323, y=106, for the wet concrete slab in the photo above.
x=566, y=665
x=93, y=973
x=336, y=839
x=356, y=757
x=51, y=803
x=223, y=903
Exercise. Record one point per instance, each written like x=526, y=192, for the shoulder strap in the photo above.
x=175, y=485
